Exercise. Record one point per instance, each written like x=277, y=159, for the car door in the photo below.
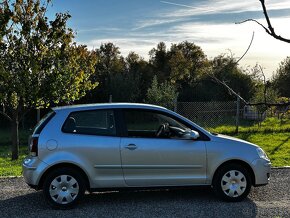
x=150, y=160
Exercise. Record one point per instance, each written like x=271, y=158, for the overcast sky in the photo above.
x=138, y=25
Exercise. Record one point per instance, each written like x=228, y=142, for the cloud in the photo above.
x=222, y=6
x=98, y=29
x=218, y=11
x=176, y=4
x=157, y=22
x=142, y=46
x=209, y=24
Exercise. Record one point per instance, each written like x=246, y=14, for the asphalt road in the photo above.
x=273, y=200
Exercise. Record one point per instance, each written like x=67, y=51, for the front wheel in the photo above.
x=63, y=188
x=232, y=182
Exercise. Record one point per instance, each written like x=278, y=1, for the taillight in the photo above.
x=33, y=146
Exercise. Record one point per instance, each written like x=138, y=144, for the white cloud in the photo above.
x=176, y=12
x=222, y=6
x=97, y=29
x=140, y=46
x=212, y=7
x=155, y=22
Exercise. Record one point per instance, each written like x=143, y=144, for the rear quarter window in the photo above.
x=42, y=123
x=96, y=122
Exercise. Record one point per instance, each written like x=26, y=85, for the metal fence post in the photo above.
x=175, y=104
x=238, y=115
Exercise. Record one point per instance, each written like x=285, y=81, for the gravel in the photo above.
x=273, y=200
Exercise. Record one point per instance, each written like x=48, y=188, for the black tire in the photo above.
x=63, y=188
x=232, y=182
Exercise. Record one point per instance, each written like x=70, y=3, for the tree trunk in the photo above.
x=15, y=135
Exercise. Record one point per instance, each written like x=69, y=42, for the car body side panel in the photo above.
x=98, y=156
x=221, y=150
x=157, y=162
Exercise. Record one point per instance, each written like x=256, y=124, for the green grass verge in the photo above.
x=276, y=145
x=273, y=135
x=9, y=167
x=270, y=125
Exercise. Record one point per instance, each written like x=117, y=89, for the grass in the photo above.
x=8, y=167
x=270, y=125
x=272, y=135
x=276, y=145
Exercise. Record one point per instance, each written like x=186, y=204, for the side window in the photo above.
x=96, y=122
x=148, y=124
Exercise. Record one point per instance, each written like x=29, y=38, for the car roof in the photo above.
x=106, y=106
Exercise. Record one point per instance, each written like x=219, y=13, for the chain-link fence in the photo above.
x=211, y=114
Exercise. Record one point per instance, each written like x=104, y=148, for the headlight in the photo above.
x=262, y=153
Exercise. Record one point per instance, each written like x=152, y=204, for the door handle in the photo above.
x=131, y=146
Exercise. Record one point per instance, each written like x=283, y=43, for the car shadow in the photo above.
x=193, y=202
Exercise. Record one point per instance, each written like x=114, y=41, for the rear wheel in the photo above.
x=63, y=188
x=232, y=182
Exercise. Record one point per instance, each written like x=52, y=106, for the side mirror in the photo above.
x=191, y=134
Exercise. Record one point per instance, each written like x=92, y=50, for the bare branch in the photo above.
x=265, y=84
x=231, y=91
x=253, y=20
x=6, y=115
x=253, y=35
x=270, y=30
x=235, y=63
x=227, y=87
x=270, y=27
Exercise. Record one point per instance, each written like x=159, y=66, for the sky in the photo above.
x=139, y=25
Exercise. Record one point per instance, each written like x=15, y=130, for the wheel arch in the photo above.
x=64, y=165
x=239, y=162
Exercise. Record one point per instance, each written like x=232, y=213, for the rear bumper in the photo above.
x=32, y=170
x=262, y=171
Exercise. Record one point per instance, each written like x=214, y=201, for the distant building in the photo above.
x=251, y=113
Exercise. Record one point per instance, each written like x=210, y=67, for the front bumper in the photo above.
x=33, y=169
x=262, y=171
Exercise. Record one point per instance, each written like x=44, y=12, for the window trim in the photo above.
x=202, y=137
x=92, y=134
x=40, y=126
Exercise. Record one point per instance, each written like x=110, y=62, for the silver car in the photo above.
x=112, y=146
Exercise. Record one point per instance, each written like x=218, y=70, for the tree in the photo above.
x=181, y=66
x=163, y=94
x=40, y=66
x=281, y=80
x=110, y=63
x=125, y=87
x=187, y=62
x=159, y=61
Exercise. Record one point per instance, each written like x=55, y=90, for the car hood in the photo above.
x=223, y=138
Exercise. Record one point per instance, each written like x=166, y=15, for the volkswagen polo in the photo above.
x=120, y=145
